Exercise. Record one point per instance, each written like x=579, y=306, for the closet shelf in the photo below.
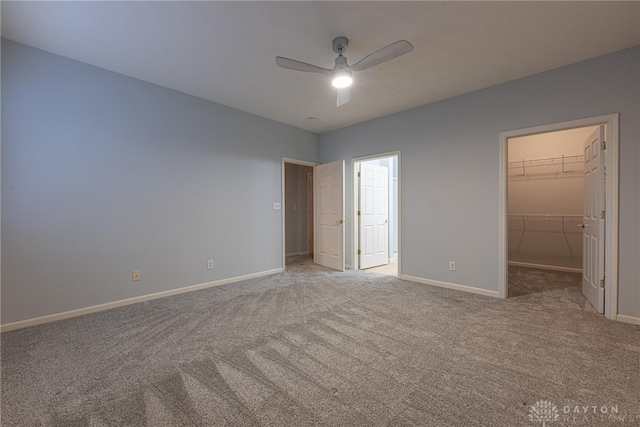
x=546, y=223
x=551, y=165
x=545, y=235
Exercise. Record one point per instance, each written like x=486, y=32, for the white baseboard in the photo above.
x=545, y=267
x=101, y=307
x=297, y=253
x=463, y=288
x=628, y=319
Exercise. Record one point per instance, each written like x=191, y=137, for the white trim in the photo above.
x=354, y=211
x=101, y=307
x=454, y=286
x=545, y=267
x=299, y=162
x=347, y=266
x=298, y=253
x=628, y=319
x=503, y=217
x=611, y=204
x=282, y=199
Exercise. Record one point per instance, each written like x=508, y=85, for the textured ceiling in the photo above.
x=224, y=51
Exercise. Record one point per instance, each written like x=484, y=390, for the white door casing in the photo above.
x=594, y=219
x=329, y=215
x=310, y=212
x=612, y=185
x=374, y=215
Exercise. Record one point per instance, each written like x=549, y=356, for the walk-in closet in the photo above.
x=545, y=206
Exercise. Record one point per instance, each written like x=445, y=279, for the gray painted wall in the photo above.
x=450, y=165
x=103, y=174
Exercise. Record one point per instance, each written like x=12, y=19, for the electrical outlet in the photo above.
x=210, y=264
x=452, y=266
x=136, y=276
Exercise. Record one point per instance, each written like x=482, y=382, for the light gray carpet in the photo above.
x=316, y=347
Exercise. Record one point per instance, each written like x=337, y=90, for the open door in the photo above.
x=329, y=215
x=594, y=220
x=373, y=232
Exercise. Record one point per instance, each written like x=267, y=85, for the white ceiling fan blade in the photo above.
x=343, y=96
x=385, y=54
x=292, y=64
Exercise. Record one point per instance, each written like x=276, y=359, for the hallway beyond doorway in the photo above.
x=390, y=269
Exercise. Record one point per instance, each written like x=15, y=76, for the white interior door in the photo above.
x=329, y=215
x=593, y=220
x=373, y=232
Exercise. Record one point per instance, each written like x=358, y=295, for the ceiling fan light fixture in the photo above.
x=341, y=73
x=342, y=79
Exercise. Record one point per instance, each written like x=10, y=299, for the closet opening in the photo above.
x=297, y=206
x=600, y=211
x=555, y=200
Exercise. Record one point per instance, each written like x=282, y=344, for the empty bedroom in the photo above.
x=335, y=213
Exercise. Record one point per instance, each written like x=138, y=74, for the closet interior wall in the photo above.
x=296, y=209
x=545, y=198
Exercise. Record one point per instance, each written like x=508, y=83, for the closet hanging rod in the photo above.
x=572, y=157
x=561, y=162
x=545, y=216
x=566, y=222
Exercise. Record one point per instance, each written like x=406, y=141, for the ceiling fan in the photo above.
x=342, y=73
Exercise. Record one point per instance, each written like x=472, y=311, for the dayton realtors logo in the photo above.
x=543, y=411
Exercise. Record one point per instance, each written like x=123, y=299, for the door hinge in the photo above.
x=603, y=145
x=358, y=213
x=359, y=252
x=602, y=215
x=602, y=283
x=358, y=174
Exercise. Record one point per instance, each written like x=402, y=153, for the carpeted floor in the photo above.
x=315, y=347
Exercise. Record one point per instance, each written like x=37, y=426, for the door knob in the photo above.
x=340, y=221
x=582, y=226
x=386, y=220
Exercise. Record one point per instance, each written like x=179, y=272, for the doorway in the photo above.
x=297, y=206
x=376, y=207
x=546, y=199
x=546, y=205
x=549, y=196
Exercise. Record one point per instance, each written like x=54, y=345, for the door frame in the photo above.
x=282, y=205
x=354, y=204
x=311, y=243
x=611, y=122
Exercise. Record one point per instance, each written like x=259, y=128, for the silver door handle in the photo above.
x=583, y=225
x=340, y=221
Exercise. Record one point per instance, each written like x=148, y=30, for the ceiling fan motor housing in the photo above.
x=341, y=62
x=340, y=44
